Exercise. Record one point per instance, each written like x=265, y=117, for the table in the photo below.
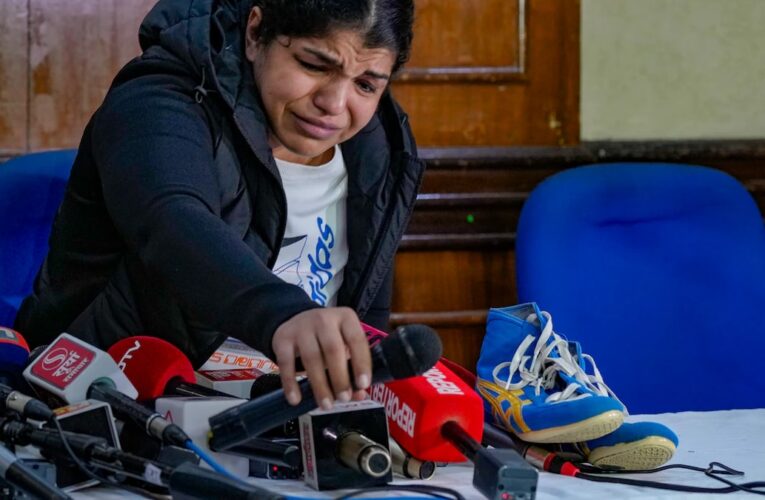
x=733, y=437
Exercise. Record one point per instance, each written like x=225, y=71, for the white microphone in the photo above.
x=68, y=367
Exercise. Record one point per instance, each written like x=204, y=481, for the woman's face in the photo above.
x=317, y=92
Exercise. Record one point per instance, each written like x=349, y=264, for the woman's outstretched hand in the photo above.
x=324, y=339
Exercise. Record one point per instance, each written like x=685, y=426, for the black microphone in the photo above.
x=269, y=450
x=24, y=405
x=190, y=482
x=408, y=352
x=18, y=474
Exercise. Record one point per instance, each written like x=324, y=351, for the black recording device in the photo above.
x=90, y=417
x=265, y=465
x=346, y=447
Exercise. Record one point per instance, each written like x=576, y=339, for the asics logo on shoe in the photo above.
x=506, y=405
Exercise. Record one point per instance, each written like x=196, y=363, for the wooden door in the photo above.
x=485, y=75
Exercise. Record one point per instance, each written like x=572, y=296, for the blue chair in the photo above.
x=31, y=189
x=659, y=271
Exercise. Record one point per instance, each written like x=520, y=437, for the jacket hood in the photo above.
x=206, y=35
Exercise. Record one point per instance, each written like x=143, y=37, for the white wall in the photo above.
x=672, y=69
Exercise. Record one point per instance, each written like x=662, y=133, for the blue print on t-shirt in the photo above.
x=321, y=265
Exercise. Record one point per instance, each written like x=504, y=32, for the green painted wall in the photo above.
x=672, y=69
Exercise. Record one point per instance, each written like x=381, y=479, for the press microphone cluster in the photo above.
x=408, y=352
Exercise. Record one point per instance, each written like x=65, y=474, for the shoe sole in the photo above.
x=648, y=453
x=585, y=430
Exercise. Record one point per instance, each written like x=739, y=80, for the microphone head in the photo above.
x=150, y=363
x=66, y=369
x=265, y=384
x=411, y=350
x=14, y=351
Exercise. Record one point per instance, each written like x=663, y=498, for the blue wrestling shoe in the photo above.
x=532, y=386
x=633, y=446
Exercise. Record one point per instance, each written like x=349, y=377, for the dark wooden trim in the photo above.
x=461, y=200
x=457, y=241
x=459, y=74
x=450, y=319
x=594, y=152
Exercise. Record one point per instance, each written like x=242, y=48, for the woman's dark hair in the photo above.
x=381, y=23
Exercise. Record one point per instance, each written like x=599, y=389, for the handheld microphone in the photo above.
x=13, y=470
x=497, y=473
x=72, y=370
x=157, y=368
x=271, y=451
x=418, y=407
x=408, y=352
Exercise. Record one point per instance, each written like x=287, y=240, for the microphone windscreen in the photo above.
x=150, y=363
x=418, y=407
x=411, y=350
x=266, y=383
x=14, y=351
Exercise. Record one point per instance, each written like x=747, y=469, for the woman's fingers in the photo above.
x=361, y=359
x=313, y=362
x=324, y=339
x=285, y=358
x=336, y=361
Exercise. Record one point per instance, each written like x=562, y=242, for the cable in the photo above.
x=88, y=472
x=210, y=460
x=434, y=491
x=677, y=487
x=747, y=487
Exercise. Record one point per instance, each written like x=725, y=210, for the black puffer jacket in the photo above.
x=174, y=212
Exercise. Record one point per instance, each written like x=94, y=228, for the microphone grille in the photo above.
x=411, y=350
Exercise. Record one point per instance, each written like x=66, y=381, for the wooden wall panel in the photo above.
x=524, y=90
x=447, y=29
x=14, y=63
x=451, y=291
x=77, y=47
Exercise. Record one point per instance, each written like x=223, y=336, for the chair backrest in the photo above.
x=659, y=271
x=31, y=189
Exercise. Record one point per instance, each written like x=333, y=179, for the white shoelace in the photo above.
x=541, y=361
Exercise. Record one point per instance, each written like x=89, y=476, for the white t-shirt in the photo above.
x=315, y=248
